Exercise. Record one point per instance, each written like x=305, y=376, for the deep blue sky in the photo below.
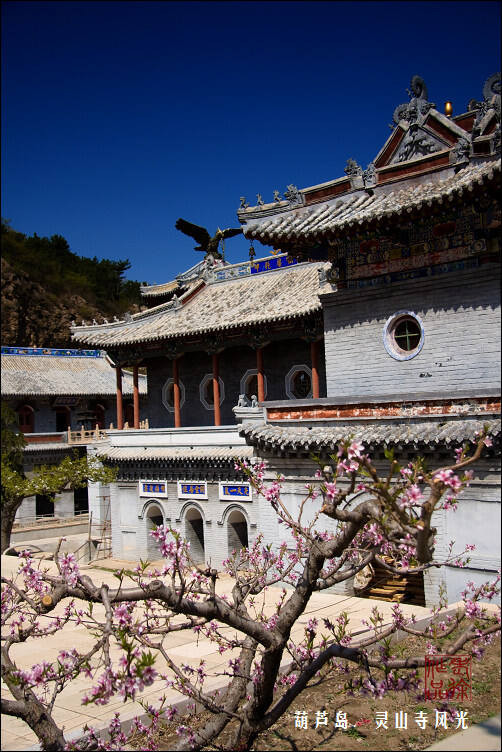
x=120, y=117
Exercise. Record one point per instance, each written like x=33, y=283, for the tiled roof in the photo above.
x=138, y=454
x=58, y=446
x=51, y=375
x=271, y=296
x=153, y=290
x=413, y=433
x=356, y=208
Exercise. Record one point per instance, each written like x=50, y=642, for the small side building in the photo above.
x=64, y=399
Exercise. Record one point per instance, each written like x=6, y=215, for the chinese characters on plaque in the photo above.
x=241, y=491
x=156, y=488
x=192, y=489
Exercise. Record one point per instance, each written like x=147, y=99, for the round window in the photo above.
x=252, y=386
x=206, y=391
x=403, y=335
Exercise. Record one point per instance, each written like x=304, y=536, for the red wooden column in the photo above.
x=314, y=357
x=120, y=414
x=135, y=371
x=176, y=394
x=260, y=377
x=216, y=390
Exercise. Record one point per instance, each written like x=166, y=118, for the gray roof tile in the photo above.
x=233, y=303
x=138, y=454
x=413, y=433
x=341, y=213
x=47, y=375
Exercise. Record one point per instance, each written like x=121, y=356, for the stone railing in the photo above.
x=86, y=437
x=98, y=434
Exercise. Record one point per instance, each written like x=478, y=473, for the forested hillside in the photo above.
x=45, y=286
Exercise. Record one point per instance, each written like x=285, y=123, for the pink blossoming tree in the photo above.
x=388, y=518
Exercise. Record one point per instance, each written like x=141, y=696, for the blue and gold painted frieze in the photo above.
x=233, y=491
x=157, y=488
x=269, y=264
x=253, y=267
x=192, y=489
x=51, y=351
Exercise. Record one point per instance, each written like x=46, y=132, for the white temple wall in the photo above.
x=134, y=517
x=476, y=521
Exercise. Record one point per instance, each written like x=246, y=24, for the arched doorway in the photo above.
x=194, y=534
x=99, y=412
x=26, y=419
x=154, y=518
x=63, y=419
x=129, y=414
x=237, y=531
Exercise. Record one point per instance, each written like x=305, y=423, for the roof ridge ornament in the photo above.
x=460, y=154
x=490, y=104
x=360, y=178
x=352, y=168
x=293, y=195
x=207, y=244
x=418, y=106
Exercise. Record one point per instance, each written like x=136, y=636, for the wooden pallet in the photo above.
x=386, y=586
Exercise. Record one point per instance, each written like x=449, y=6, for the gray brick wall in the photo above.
x=461, y=318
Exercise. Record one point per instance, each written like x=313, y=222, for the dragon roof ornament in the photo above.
x=489, y=106
x=418, y=106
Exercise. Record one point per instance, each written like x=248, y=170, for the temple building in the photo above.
x=377, y=315
x=64, y=400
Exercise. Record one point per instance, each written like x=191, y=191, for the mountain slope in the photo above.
x=45, y=287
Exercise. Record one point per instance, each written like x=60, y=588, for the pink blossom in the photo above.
x=355, y=450
x=443, y=476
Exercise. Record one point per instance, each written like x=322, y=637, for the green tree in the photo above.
x=13, y=441
x=73, y=472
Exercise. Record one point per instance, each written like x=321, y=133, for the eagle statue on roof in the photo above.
x=207, y=244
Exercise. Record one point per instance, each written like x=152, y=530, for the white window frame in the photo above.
x=202, y=388
x=170, y=408
x=152, y=494
x=192, y=497
x=288, y=381
x=244, y=499
x=389, y=342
